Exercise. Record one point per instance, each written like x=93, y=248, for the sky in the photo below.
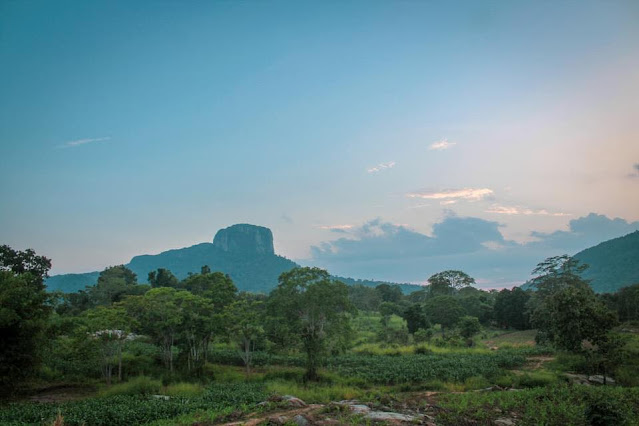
x=352, y=129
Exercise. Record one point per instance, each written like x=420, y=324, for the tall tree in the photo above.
x=24, y=309
x=245, y=327
x=114, y=283
x=447, y=283
x=416, y=318
x=111, y=327
x=162, y=278
x=313, y=308
x=444, y=310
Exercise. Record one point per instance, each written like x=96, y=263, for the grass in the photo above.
x=551, y=405
x=183, y=389
x=140, y=385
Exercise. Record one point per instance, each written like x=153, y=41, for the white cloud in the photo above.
x=441, y=145
x=381, y=166
x=78, y=142
x=516, y=210
x=336, y=227
x=471, y=194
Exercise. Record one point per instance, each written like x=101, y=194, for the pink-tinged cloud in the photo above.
x=470, y=194
x=516, y=210
x=441, y=145
x=381, y=166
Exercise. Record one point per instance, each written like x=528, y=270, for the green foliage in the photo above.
x=614, y=264
x=162, y=278
x=468, y=326
x=447, y=283
x=416, y=318
x=125, y=410
x=550, y=405
x=24, y=312
x=510, y=308
x=114, y=283
x=311, y=307
x=444, y=310
x=140, y=385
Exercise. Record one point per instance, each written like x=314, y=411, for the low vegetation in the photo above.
x=197, y=351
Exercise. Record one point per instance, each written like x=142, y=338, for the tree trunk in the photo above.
x=119, y=363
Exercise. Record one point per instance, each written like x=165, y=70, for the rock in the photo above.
x=580, y=379
x=300, y=420
x=245, y=239
x=278, y=420
x=359, y=408
x=388, y=416
x=164, y=397
x=293, y=401
x=600, y=380
x=504, y=421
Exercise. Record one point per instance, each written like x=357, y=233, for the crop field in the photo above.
x=125, y=410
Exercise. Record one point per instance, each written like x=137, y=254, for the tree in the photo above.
x=245, y=321
x=114, y=283
x=416, y=318
x=111, y=327
x=444, y=310
x=577, y=316
x=389, y=293
x=510, y=308
x=24, y=310
x=468, y=327
x=198, y=323
x=163, y=278
x=216, y=286
x=556, y=273
x=314, y=309
x=159, y=316
x=448, y=282
x=553, y=276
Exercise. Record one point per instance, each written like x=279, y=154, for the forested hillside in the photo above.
x=613, y=264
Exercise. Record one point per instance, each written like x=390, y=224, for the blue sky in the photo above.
x=135, y=127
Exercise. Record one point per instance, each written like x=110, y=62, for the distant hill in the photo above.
x=613, y=264
x=245, y=252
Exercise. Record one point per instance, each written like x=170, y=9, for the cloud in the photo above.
x=386, y=251
x=336, y=228
x=584, y=232
x=78, y=142
x=516, y=210
x=471, y=194
x=381, y=166
x=441, y=145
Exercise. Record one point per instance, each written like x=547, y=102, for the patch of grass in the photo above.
x=140, y=385
x=535, y=379
x=183, y=389
x=552, y=405
x=315, y=393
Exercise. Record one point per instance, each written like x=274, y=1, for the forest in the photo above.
x=315, y=350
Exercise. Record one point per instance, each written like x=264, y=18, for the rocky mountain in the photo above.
x=243, y=251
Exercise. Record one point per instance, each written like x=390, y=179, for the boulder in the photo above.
x=599, y=379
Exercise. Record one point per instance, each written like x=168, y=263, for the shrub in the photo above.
x=140, y=385
x=183, y=389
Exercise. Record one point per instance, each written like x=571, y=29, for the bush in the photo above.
x=183, y=389
x=140, y=385
x=535, y=379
